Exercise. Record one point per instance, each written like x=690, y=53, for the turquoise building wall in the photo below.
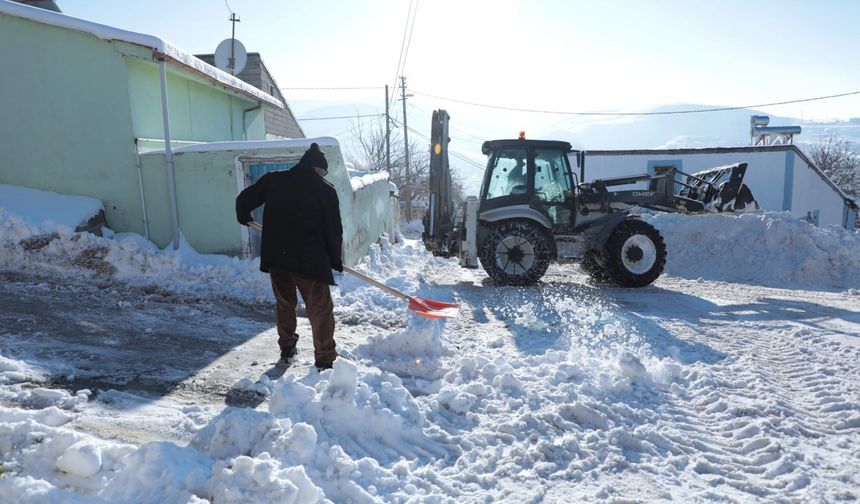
x=207, y=218
x=83, y=115
x=74, y=104
x=65, y=122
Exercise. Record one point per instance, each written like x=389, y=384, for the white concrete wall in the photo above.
x=765, y=176
x=811, y=194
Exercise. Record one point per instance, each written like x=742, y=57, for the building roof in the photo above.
x=161, y=48
x=250, y=145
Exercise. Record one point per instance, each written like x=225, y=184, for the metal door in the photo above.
x=254, y=170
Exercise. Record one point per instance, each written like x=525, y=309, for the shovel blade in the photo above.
x=433, y=309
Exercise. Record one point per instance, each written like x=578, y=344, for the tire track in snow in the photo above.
x=754, y=411
x=752, y=421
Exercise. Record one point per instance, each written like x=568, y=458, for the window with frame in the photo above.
x=508, y=173
x=552, y=176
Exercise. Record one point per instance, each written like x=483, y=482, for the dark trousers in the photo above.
x=320, y=313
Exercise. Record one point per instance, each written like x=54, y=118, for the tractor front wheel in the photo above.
x=635, y=254
x=516, y=253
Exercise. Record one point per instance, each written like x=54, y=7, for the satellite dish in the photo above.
x=231, y=56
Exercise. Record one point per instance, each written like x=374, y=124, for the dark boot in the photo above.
x=322, y=366
x=287, y=353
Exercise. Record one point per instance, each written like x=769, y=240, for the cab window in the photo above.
x=552, y=175
x=508, y=173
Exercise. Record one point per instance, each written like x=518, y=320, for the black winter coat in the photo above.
x=302, y=231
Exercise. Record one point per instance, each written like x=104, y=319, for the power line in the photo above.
x=228, y=7
x=402, y=45
x=352, y=128
x=407, y=28
x=451, y=152
x=338, y=117
x=478, y=140
x=411, y=31
x=670, y=112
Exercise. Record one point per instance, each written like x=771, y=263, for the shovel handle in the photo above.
x=375, y=283
x=361, y=276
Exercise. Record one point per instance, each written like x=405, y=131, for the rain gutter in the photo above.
x=244, y=127
x=168, y=151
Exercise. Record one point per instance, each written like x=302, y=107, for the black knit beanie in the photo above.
x=314, y=157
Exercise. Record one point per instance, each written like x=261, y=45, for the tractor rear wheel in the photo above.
x=516, y=253
x=635, y=254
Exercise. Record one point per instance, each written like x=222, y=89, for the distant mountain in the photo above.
x=312, y=116
x=692, y=130
x=715, y=129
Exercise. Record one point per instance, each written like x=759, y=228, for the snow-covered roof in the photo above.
x=159, y=45
x=249, y=145
x=367, y=179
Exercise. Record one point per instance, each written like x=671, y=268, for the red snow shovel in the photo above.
x=424, y=307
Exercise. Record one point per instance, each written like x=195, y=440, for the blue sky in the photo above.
x=548, y=55
x=564, y=55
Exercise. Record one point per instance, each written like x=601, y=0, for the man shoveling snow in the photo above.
x=301, y=245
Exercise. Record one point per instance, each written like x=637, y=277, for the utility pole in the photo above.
x=410, y=192
x=232, y=63
x=387, y=134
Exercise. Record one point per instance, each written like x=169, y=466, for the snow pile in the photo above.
x=415, y=352
x=341, y=435
x=12, y=371
x=359, y=180
x=37, y=235
x=412, y=228
x=34, y=208
x=406, y=267
x=772, y=249
x=52, y=248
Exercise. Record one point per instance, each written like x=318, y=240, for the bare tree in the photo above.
x=836, y=159
x=369, y=153
x=368, y=150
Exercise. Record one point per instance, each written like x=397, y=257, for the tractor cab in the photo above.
x=529, y=177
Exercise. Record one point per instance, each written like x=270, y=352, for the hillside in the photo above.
x=469, y=126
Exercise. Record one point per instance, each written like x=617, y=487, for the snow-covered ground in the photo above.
x=733, y=378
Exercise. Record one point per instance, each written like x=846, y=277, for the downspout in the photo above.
x=140, y=181
x=244, y=127
x=168, y=152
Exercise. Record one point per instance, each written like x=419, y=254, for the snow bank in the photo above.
x=45, y=209
x=51, y=248
x=772, y=249
x=413, y=227
x=366, y=179
x=36, y=235
x=342, y=435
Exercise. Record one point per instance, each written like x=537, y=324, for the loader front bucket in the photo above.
x=720, y=189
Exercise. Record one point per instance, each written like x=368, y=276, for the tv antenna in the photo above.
x=231, y=55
